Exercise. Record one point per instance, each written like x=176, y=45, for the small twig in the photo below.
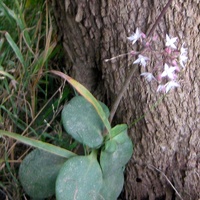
x=167, y=180
x=125, y=86
x=121, y=55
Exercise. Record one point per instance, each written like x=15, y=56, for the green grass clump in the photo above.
x=29, y=99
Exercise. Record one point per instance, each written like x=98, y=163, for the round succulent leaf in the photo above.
x=38, y=172
x=80, y=178
x=82, y=122
x=120, y=156
x=112, y=185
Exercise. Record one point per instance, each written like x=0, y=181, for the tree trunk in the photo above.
x=166, y=139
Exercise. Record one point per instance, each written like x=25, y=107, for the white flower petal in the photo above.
x=169, y=72
x=183, y=50
x=148, y=76
x=136, y=36
x=182, y=60
x=183, y=56
x=161, y=88
x=170, y=85
x=141, y=60
x=170, y=42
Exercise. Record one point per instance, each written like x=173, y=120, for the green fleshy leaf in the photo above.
x=38, y=173
x=87, y=95
x=80, y=178
x=118, y=150
x=112, y=185
x=82, y=122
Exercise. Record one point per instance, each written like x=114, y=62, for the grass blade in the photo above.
x=87, y=95
x=44, y=56
x=39, y=144
x=6, y=74
x=15, y=48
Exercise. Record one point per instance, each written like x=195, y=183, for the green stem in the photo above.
x=93, y=154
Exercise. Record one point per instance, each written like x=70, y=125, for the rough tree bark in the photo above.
x=167, y=137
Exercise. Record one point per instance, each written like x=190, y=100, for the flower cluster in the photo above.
x=168, y=60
